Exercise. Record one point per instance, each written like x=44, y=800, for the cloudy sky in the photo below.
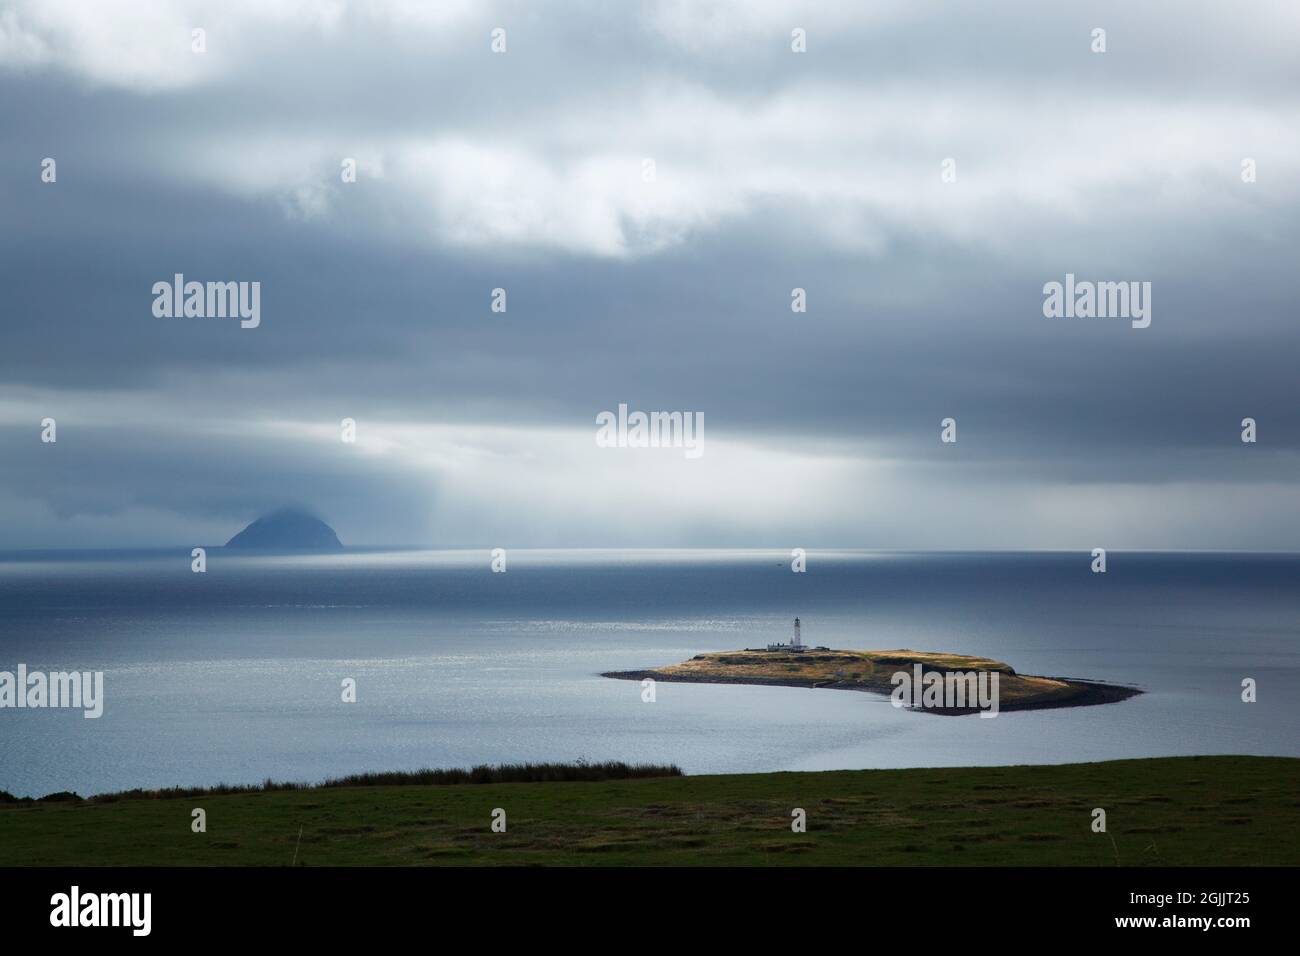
x=773, y=170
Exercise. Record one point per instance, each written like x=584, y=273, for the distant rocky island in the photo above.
x=288, y=529
x=949, y=684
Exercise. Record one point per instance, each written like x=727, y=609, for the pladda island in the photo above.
x=937, y=683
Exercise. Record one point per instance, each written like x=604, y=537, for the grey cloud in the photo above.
x=375, y=306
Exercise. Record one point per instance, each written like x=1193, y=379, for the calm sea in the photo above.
x=235, y=675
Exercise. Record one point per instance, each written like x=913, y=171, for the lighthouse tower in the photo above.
x=796, y=644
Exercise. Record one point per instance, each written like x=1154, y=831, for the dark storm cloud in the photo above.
x=200, y=488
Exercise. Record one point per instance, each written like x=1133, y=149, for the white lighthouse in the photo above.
x=796, y=643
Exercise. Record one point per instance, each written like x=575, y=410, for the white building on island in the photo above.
x=796, y=643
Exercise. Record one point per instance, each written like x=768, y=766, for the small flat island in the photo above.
x=953, y=684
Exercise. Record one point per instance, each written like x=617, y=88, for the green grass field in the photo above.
x=1185, y=811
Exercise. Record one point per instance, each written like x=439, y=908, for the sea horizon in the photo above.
x=382, y=548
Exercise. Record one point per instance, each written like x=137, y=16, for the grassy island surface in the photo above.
x=874, y=670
